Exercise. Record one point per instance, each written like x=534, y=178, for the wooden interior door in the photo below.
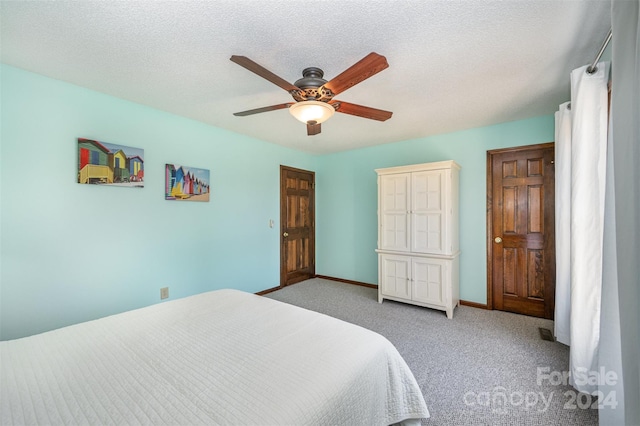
x=297, y=223
x=521, y=233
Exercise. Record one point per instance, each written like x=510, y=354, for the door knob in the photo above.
x=497, y=240
x=286, y=234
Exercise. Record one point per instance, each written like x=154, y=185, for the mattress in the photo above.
x=223, y=357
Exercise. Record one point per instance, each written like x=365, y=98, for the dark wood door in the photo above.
x=297, y=223
x=521, y=234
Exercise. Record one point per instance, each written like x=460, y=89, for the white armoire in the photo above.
x=418, y=248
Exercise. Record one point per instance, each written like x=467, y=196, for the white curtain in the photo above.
x=620, y=339
x=563, y=224
x=586, y=160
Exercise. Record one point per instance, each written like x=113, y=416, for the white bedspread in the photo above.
x=223, y=357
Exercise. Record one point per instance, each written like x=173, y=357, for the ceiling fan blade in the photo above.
x=358, y=72
x=361, y=111
x=313, y=129
x=243, y=61
x=263, y=109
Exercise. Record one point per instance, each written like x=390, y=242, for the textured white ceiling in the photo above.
x=453, y=65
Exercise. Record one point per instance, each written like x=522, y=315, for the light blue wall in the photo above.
x=72, y=252
x=346, y=198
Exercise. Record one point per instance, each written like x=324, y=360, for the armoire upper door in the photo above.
x=394, y=212
x=428, y=212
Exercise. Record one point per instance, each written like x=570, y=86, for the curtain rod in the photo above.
x=593, y=67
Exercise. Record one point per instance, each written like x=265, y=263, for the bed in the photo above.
x=221, y=357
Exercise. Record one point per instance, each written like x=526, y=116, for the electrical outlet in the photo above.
x=164, y=292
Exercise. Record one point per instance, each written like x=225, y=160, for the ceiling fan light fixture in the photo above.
x=306, y=111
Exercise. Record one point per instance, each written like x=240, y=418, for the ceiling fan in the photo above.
x=313, y=95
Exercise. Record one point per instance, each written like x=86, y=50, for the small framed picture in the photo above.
x=184, y=183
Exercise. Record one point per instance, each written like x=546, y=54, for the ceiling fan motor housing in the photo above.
x=312, y=86
x=311, y=77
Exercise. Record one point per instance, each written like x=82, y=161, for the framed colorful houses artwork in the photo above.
x=103, y=163
x=184, y=183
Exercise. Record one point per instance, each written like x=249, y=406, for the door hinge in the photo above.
x=313, y=185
